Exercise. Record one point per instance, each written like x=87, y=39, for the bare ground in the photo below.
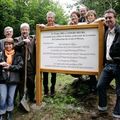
x=84, y=109
x=89, y=105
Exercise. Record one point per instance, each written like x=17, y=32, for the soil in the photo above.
x=89, y=103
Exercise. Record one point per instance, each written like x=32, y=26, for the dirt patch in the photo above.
x=64, y=106
x=83, y=112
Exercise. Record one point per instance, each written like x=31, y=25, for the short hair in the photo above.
x=50, y=13
x=9, y=40
x=8, y=27
x=111, y=11
x=75, y=12
x=83, y=6
x=24, y=25
x=91, y=11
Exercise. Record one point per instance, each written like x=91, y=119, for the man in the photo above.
x=50, y=22
x=26, y=40
x=8, y=33
x=83, y=10
x=112, y=64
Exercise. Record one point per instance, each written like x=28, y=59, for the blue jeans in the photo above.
x=109, y=72
x=7, y=97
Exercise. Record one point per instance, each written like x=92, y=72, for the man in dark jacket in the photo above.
x=112, y=63
x=26, y=40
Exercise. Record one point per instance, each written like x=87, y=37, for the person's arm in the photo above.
x=18, y=42
x=99, y=19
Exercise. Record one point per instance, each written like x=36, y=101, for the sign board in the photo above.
x=71, y=50
x=75, y=49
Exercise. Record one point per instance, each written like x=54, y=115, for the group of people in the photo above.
x=13, y=61
x=12, y=68
x=111, y=60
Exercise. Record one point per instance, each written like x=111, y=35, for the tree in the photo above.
x=15, y=12
x=100, y=6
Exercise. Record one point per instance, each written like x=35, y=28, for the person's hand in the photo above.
x=42, y=26
x=99, y=19
x=26, y=41
x=4, y=64
x=7, y=66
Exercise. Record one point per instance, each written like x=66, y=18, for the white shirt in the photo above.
x=110, y=38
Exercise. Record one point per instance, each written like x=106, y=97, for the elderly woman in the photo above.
x=11, y=63
x=74, y=18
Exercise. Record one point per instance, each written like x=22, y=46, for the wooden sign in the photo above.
x=70, y=49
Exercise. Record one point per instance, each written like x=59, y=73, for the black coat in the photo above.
x=14, y=70
x=20, y=47
x=115, y=47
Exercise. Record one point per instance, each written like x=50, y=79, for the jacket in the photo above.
x=14, y=69
x=20, y=47
x=115, y=47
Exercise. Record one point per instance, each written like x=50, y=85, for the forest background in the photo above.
x=15, y=12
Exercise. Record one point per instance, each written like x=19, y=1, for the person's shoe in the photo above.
x=52, y=94
x=9, y=115
x=1, y=117
x=97, y=114
x=116, y=116
x=52, y=91
x=46, y=94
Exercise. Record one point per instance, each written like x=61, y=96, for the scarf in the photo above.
x=9, y=55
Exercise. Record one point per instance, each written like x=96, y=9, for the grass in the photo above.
x=62, y=107
x=63, y=104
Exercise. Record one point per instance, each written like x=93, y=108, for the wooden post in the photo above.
x=38, y=73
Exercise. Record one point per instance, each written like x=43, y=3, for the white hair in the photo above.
x=8, y=28
x=24, y=25
x=50, y=13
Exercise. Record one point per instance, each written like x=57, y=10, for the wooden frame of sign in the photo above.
x=74, y=49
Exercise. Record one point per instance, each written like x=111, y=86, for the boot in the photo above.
x=52, y=91
x=1, y=117
x=9, y=115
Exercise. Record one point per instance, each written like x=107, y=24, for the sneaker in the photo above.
x=116, y=117
x=9, y=115
x=1, y=117
x=52, y=94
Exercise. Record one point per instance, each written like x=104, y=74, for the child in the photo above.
x=10, y=64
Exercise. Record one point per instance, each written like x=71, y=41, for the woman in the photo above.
x=74, y=18
x=10, y=65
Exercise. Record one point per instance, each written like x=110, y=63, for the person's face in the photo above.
x=8, y=33
x=91, y=18
x=74, y=19
x=83, y=11
x=25, y=32
x=50, y=19
x=110, y=20
x=8, y=46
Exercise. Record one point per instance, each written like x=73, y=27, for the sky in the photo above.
x=64, y=3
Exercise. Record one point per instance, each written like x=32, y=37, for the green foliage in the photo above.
x=100, y=6
x=15, y=12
